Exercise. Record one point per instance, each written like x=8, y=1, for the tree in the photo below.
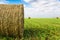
x=29, y=17
x=57, y=17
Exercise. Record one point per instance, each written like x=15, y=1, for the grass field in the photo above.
x=41, y=29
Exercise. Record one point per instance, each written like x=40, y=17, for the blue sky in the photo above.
x=14, y=1
x=38, y=8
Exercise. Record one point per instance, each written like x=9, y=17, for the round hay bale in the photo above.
x=11, y=20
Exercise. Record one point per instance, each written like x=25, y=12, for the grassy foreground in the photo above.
x=40, y=29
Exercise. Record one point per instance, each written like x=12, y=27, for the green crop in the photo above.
x=42, y=29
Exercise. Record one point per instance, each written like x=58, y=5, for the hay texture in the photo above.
x=11, y=20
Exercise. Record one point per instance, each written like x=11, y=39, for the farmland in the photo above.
x=42, y=29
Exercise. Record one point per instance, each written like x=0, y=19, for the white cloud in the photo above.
x=27, y=0
x=3, y=2
x=43, y=8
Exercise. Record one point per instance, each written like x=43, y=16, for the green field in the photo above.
x=42, y=29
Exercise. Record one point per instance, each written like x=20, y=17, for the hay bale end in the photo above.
x=11, y=20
